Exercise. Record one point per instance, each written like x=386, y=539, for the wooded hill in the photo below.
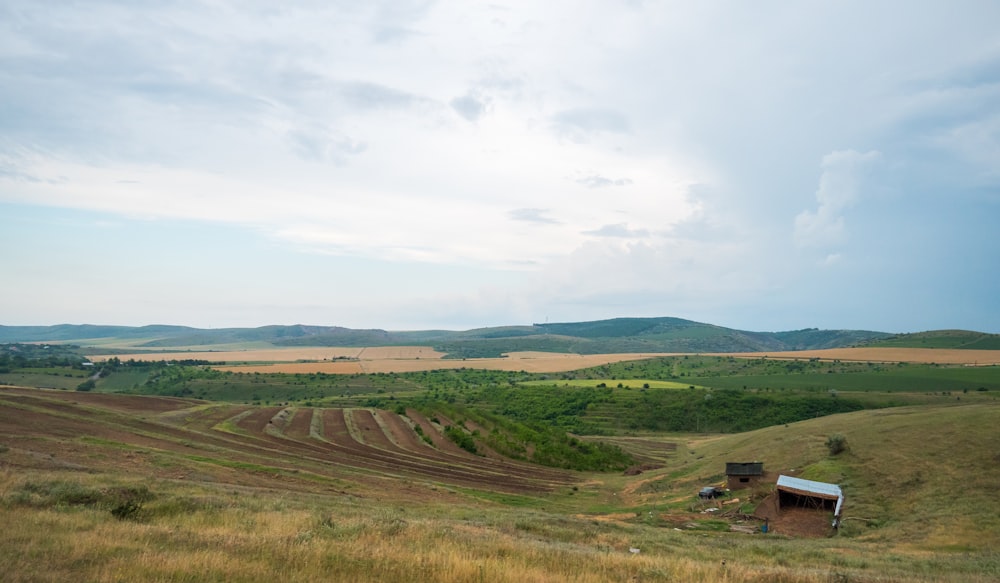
x=598, y=337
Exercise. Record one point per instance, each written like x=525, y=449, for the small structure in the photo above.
x=798, y=493
x=740, y=475
x=709, y=492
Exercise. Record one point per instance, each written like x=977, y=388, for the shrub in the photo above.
x=461, y=438
x=127, y=510
x=836, y=443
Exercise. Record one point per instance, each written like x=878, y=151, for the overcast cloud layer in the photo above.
x=404, y=165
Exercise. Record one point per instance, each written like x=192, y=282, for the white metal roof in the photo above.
x=809, y=487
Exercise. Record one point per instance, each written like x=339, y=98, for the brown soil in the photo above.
x=258, y=420
x=298, y=427
x=129, y=403
x=441, y=442
x=370, y=431
x=401, y=432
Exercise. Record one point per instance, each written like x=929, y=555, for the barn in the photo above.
x=799, y=493
x=740, y=475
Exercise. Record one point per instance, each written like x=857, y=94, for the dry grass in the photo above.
x=205, y=533
x=924, y=476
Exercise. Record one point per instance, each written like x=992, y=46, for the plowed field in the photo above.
x=178, y=438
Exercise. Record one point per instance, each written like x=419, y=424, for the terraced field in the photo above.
x=302, y=448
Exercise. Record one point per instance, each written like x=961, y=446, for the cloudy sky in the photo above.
x=419, y=164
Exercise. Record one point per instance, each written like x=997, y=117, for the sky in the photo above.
x=412, y=165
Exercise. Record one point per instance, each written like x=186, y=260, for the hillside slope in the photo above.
x=960, y=339
x=924, y=476
x=618, y=335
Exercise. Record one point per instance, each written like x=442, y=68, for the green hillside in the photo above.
x=597, y=337
x=962, y=339
x=925, y=476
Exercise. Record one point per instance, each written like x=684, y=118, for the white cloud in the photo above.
x=668, y=144
x=840, y=186
x=532, y=216
x=619, y=230
x=580, y=124
x=597, y=181
x=470, y=106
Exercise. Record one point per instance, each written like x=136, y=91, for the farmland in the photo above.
x=170, y=471
x=416, y=358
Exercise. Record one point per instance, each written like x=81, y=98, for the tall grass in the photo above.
x=201, y=533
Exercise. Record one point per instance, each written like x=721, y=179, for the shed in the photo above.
x=741, y=475
x=796, y=492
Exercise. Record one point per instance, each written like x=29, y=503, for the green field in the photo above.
x=626, y=384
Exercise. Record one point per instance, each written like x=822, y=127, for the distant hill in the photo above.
x=597, y=337
x=961, y=339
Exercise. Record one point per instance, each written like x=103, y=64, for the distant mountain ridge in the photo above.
x=663, y=334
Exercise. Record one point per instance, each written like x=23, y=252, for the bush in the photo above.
x=461, y=438
x=127, y=510
x=836, y=443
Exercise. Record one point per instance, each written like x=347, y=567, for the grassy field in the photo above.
x=135, y=507
x=315, y=477
x=625, y=384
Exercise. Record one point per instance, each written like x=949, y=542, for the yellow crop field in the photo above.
x=295, y=354
x=386, y=359
x=372, y=362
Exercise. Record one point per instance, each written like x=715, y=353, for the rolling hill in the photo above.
x=616, y=335
x=961, y=339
